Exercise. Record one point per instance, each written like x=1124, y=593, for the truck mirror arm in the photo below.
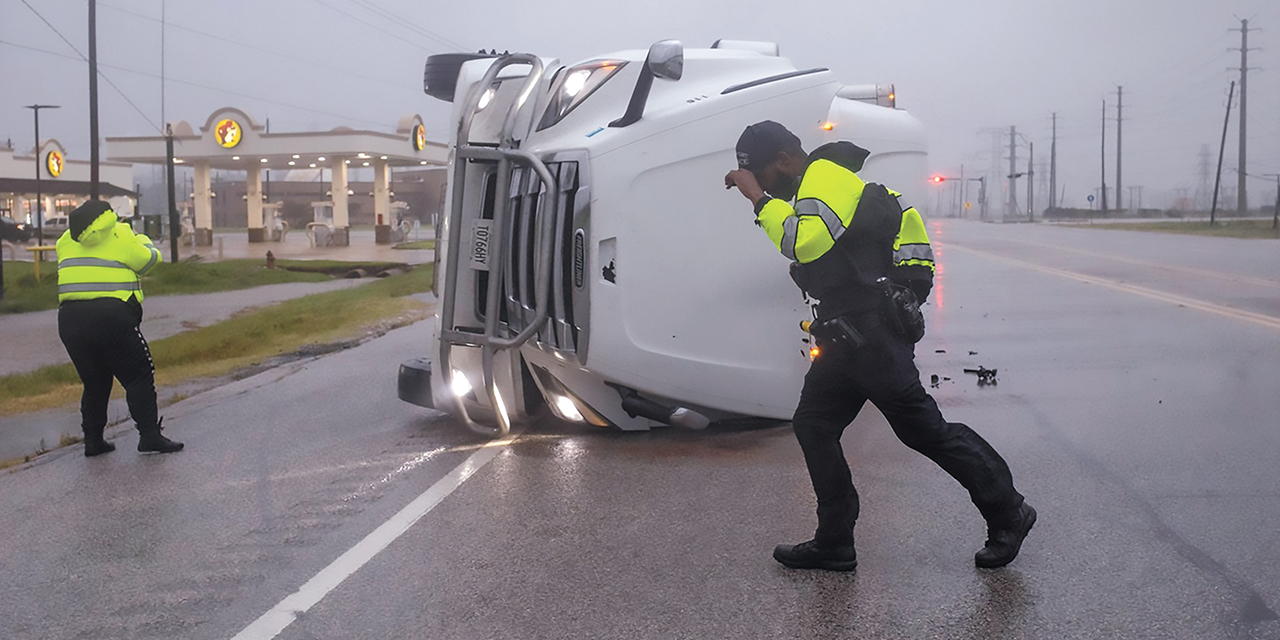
x=664, y=60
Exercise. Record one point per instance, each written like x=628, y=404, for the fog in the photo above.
x=969, y=71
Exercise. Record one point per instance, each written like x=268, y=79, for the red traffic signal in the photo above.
x=937, y=179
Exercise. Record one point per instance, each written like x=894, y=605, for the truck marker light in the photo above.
x=814, y=352
x=827, y=126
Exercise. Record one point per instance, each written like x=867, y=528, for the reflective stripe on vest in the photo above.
x=91, y=262
x=826, y=202
x=816, y=207
x=911, y=247
x=809, y=207
x=920, y=252
x=788, y=243
x=98, y=287
x=155, y=255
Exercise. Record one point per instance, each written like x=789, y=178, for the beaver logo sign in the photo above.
x=228, y=133
x=419, y=137
x=53, y=162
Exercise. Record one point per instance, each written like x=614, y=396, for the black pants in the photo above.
x=103, y=338
x=840, y=381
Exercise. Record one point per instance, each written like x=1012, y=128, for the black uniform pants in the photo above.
x=840, y=381
x=103, y=338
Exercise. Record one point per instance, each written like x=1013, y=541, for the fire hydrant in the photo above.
x=271, y=260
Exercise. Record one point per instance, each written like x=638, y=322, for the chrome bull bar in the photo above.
x=492, y=341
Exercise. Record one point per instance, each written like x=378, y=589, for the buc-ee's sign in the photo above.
x=228, y=132
x=53, y=162
x=419, y=137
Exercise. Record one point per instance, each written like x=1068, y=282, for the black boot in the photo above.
x=152, y=440
x=1004, y=541
x=94, y=443
x=811, y=555
x=96, y=446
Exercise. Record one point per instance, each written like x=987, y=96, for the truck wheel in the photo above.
x=440, y=77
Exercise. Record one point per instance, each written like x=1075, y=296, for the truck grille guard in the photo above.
x=540, y=264
x=529, y=213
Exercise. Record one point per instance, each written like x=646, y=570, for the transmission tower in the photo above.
x=1206, y=175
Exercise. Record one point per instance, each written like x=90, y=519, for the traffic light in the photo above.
x=937, y=179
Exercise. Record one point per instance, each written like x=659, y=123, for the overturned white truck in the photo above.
x=589, y=258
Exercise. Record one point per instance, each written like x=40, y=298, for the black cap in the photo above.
x=760, y=143
x=84, y=215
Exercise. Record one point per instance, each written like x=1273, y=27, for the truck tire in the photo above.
x=440, y=77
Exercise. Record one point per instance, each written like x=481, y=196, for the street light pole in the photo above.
x=93, y=100
x=35, y=109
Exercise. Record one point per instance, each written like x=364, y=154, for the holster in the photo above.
x=901, y=311
x=847, y=330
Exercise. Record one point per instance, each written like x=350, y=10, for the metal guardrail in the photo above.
x=506, y=154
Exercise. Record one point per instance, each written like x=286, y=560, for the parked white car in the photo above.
x=54, y=226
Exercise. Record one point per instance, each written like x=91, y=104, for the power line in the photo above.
x=310, y=63
x=409, y=25
x=369, y=24
x=100, y=73
x=202, y=86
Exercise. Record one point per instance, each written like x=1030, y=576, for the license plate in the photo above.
x=481, y=233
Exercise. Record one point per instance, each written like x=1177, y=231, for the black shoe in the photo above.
x=152, y=440
x=96, y=447
x=809, y=555
x=1003, y=543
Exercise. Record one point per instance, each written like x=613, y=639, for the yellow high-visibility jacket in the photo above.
x=106, y=261
x=834, y=205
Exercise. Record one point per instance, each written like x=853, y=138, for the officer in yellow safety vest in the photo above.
x=847, y=238
x=100, y=260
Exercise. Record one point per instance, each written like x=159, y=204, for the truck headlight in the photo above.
x=574, y=85
x=460, y=385
x=486, y=98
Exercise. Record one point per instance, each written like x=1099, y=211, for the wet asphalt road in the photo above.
x=1137, y=401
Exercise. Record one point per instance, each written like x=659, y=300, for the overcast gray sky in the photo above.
x=964, y=69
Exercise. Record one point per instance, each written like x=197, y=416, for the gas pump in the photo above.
x=320, y=230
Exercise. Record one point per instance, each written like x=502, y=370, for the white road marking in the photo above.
x=1238, y=314
x=271, y=623
x=1233, y=277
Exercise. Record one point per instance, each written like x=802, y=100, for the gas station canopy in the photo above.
x=231, y=140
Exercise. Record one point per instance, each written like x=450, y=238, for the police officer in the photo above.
x=99, y=315
x=840, y=234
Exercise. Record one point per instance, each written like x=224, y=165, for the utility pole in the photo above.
x=1011, y=209
x=1275, y=215
x=1031, y=183
x=1053, y=165
x=1104, y=158
x=1213, y=211
x=1119, y=108
x=1242, y=198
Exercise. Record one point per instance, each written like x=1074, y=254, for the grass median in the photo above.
x=23, y=293
x=249, y=338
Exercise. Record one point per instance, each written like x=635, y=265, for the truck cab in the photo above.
x=589, y=258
